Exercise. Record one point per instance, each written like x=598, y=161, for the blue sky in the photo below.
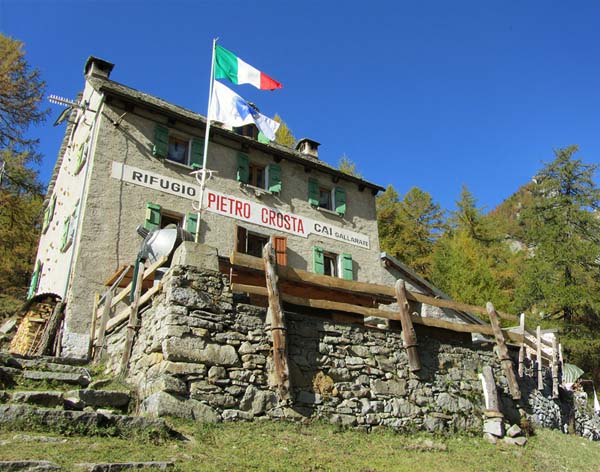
x=433, y=94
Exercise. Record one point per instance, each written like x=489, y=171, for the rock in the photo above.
x=216, y=373
x=447, y=402
x=490, y=438
x=8, y=326
x=514, y=431
x=494, y=426
x=162, y=404
x=396, y=388
x=204, y=413
x=47, y=399
x=183, y=368
x=28, y=466
x=234, y=415
x=196, y=350
x=433, y=424
x=118, y=466
x=518, y=441
x=61, y=377
x=343, y=420
x=190, y=298
x=165, y=383
x=257, y=401
x=99, y=398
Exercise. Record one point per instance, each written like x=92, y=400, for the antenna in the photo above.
x=65, y=102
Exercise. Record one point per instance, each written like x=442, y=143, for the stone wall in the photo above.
x=202, y=352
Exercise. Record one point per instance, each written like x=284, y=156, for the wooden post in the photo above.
x=132, y=325
x=540, y=373
x=522, y=348
x=555, y=379
x=503, y=356
x=100, y=350
x=48, y=336
x=408, y=331
x=93, y=327
x=489, y=389
x=278, y=330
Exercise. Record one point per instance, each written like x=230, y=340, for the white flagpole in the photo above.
x=206, y=139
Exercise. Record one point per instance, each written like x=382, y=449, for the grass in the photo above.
x=268, y=446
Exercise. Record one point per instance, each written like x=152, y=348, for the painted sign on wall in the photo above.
x=239, y=208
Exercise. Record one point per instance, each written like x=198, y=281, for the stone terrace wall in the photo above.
x=203, y=353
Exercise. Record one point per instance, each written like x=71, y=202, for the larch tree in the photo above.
x=21, y=92
x=284, y=135
x=347, y=166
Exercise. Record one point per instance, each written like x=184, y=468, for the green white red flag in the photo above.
x=229, y=66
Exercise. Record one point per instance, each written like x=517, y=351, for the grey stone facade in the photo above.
x=202, y=352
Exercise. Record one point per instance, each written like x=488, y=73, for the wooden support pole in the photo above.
x=540, y=372
x=489, y=389
x=278, y=329
x=133, y=318
x=408, y=331
x=555, y=366
x=90, y=353
x=100, y=349
x=503, y=356
x=522, y=348
x=48, y=336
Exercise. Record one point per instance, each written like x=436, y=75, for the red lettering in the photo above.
x=287, y=222
x=247, y=211
x=238, y=208
x=272, y=217
x=264, y=215
x=221, y=204
x=279, y=220
x=300, y=226
x=211, y=199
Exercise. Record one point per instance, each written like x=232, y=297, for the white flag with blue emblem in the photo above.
x=231, y=109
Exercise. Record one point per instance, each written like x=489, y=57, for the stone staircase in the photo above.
x=61, y=396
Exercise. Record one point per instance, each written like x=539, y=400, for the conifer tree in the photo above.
x=284, y=135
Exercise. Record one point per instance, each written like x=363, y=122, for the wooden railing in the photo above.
x=326, y=293
x=106, y=318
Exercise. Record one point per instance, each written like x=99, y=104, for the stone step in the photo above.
x=8, y=359
x=71, y=400
x=118, y=466
x=28, y=466
x=81, y=379
x=49, y=399
x=98, y=398
x=25, y=417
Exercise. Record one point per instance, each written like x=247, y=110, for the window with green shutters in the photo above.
x=161, y=141
x=347, y=269
x=67, y=234
x=318, y=260
x=152, y=220
x=35, y=280
x=49, y=214
x=191, y=223
x=274, y=174
x=197, y=156
x=340, y=201
x=243, y=168
x=81, y=157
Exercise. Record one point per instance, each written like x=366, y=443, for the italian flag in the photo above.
x=229, y=66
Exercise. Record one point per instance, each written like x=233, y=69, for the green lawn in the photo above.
x=317, y=447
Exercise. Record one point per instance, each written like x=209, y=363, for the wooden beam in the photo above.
x=147, y=273
x=380, y=291
x=408, y=331
x=502, y=352
x=133, y=319
x=540, y=374
x=100, y=349
x=49, y=334
x=522, y=348
x=555, y=379
x=277, y=319
x=490, y=390
x=124, y=315
x=93, y=327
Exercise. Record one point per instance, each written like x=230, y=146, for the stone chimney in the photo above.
x=96, y=67
x=308, y=147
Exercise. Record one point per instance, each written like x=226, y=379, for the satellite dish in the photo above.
x=162, y=242
x=63, y=116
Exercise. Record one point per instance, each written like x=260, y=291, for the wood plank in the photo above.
x=502, y=351
x=555, y=380
x=408, y=331
x=93, y=327
x=100, y=346
x=133, y=319
x=522, y=348
x=381, y=291
x=124, y=315
x=490, y=389
x=281, y=369
x=148, y=272
x=540, y=374
x=114, y=277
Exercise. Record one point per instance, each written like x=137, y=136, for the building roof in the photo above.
x=112, y=88
x=419, y=282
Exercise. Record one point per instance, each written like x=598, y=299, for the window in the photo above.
x=252, y=244
x=35, y=280
x=68, y=232
x=331, y=264
x=177, y=148
x=265, y=177
x=320, y=196
x=158, y=218
x=49, y=214
x=82, y=152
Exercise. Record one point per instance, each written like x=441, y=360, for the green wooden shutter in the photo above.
x=49, y=214
x=81, y=157
x=318, y=260
x=65, y=239
x=262, y=138
x=274, y=184
x=191, y=223
x=313, y=192
x=340, y=201
x=34, y=283
x=243, y=170
x=197, y=153
x=161, y=141
x=152, y=221
x=347, y=272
